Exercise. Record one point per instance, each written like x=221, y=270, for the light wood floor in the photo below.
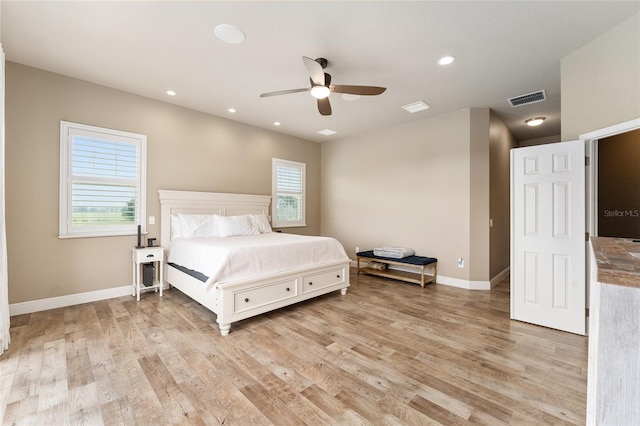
x=386, y=353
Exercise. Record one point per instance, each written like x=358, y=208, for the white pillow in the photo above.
x=261, y=223
x=193, y=226
x=231, y=226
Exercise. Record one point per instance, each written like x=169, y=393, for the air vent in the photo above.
x=529, y=98
x=327, y=132
x=416, y=106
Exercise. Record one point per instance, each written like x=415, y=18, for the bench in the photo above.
x=418, y=262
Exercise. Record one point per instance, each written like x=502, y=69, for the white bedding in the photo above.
x=236, y=258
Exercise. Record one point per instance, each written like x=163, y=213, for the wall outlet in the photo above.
x=460, y=262
x=357, y=249
x=152, y=220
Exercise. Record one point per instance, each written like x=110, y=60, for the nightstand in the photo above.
x=141, y=256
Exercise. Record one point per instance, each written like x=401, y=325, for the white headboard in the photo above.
x=174, y=202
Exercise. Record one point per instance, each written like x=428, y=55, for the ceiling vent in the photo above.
x=529, y=98
x=327, y=132
x=416, y=106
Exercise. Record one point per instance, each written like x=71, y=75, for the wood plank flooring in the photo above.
x=387, y=353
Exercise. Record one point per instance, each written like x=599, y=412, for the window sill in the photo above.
x=102, y=235
x=288, y=226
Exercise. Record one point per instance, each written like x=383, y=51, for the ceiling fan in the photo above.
x=321, y=86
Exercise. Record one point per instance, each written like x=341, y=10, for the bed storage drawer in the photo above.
x=320, y=280
x=256, y=297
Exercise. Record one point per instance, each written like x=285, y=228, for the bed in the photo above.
x=240, y=291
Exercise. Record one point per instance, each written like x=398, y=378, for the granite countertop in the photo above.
x=618, y=260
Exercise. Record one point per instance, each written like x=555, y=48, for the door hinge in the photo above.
x=586, y=236
x=587, y=161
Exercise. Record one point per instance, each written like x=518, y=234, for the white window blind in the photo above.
x=288, y=193
x=102, y=181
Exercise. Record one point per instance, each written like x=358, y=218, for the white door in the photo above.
x=548, y=236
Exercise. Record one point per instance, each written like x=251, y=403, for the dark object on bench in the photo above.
x=412, y=261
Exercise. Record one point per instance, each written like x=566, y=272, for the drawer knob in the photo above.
x=287, y=288
x=337, y=276
x=310, y=283
x=150, y=255
x=246, y=299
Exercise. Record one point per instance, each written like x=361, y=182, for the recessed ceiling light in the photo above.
x=416, y=106
x=171, y=93
x=327, y=132
x=231, y=110
x=229, y=33
x=276, y=123
x=350, y=97
x=535, y=121
x=446, y=60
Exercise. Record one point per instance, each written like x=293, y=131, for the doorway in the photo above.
x=609, y=207
x=528, y=195
x=618, y=200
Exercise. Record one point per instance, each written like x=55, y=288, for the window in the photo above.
x=288, y=193
x=102, y=181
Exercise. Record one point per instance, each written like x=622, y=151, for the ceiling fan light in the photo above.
x=320, y=92
x=535, y=121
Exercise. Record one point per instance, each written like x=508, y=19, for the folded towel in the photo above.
x=393, y=252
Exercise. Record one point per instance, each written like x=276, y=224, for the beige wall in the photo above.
x=501, y=142
x=411, y=186
x=478, y=261
x=187, y=150
x=539, y=141
x=601, y=81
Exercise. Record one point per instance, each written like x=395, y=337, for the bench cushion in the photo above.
x=411, y=260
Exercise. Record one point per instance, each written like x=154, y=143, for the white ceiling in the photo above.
x=503, y=49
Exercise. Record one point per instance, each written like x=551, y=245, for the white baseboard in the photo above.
x=110, y=293
x=444, y=280
x=495, y=280
x=466, y=284
x=69, y=300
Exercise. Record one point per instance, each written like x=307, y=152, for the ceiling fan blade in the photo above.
x=315, y=70
x=324, y=106
x=358, y=90
x=284, y=92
